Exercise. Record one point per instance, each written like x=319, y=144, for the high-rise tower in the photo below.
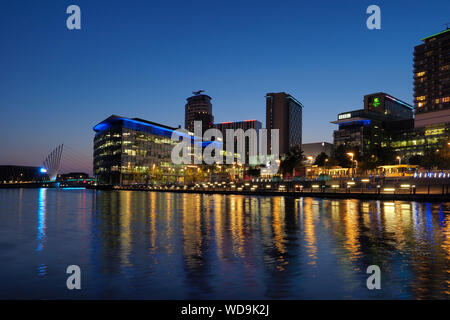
x=432, y=80
x=284, y=112
x=198, y=108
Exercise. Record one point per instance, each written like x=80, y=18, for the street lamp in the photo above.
x=351, y=154
x=399, y=160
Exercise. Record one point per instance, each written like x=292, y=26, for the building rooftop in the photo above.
x=435, y=35
x=288, y=96
x=153, y=127
x=115, y=119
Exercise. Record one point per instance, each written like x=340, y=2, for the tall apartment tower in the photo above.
x=432, y=80
x=284, y=112
x=198, y=108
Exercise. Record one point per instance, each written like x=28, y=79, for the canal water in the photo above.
x=150, y=245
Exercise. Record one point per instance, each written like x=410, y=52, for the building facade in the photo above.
x=432, y=80
x=284, y=112
x=244, y=125
x=10, y=173
x=431, y=132
x=198, y=108
x=366, y=129
x=130, y=151
x=419, y=141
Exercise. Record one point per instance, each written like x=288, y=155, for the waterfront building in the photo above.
x=432, y=80
x=315, y=148
x=11, y=173
x=284, y=112
x=431, y=131
x=366, y=129
x=73, y=175
x=418, y=141
x=198, y=108
x=244, y=125
x=129, y=151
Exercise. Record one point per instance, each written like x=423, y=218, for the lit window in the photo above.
x=446, y=99
x=420, y=74
x=421, y=98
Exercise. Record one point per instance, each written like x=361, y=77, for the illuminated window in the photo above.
x=420, y=74
x=437, y=101
x=420, y=104
x=446, y=99
x=421, y=98
x=446, y=67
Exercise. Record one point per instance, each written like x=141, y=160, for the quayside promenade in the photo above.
x=428, y=193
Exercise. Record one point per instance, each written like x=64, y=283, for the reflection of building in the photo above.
x=244, y=125
x=21, y=173
x=432, y=80
x=128, y=151
x=284, y=112
x=367, y=128
x=198, y=108
x=316, y=148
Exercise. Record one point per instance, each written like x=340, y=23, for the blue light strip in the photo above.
x=364, y=122
x=104, y=125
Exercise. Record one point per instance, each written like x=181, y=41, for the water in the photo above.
x=148, y=245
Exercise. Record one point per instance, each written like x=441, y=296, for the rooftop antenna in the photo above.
x=446, y=25
x=198, y=92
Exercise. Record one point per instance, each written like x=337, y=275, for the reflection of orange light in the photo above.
x=352, y=230
x=310, y=235
x=446, y=247
x=279, y=230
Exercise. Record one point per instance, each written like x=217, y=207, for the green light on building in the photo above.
x=376, y=102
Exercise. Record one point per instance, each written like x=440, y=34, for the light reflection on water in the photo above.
x=163, y=245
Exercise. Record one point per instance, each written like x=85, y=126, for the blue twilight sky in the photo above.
x=143, y=58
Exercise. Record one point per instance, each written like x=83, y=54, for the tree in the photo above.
x=385, y=155
x=433, y=159
x=254, y=172
x=155, y=174
x=292, y=160
x=340, y=157
x=369, y=163
x=321, y=159
x=415, y=160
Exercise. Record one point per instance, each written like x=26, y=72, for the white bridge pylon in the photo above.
x=51, y=163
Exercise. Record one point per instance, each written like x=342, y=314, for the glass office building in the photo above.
x=418, y=141
x=134, y=151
